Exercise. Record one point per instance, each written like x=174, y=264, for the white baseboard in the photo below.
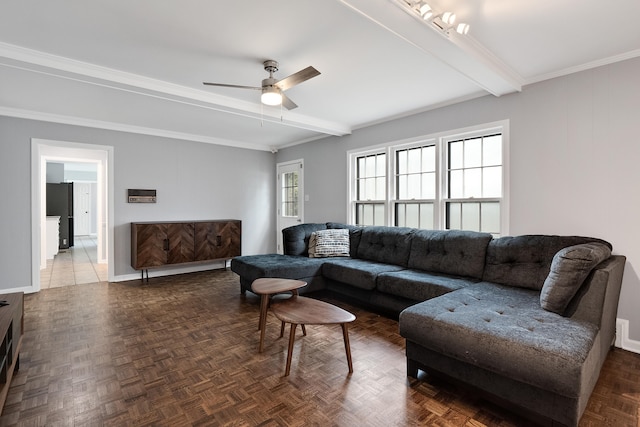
x=169, y=271
x=622, y=337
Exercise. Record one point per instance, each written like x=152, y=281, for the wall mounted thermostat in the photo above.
x=141, y=196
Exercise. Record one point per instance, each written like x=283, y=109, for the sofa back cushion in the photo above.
x=455, y=252
x=295, y=239
x=525, y=261
x=390, y=245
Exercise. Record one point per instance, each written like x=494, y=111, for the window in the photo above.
x=290, y=194
x=371, y=189
x=447, y=181
x=415, y=185
x=474, y=183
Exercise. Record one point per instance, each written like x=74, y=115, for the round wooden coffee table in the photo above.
x=267, y=286
x=299, y=310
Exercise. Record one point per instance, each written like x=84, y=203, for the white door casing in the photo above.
x=290, y=197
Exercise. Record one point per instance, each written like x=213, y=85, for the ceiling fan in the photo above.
x=272, y=89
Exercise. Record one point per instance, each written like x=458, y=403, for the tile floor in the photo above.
x=74, y=266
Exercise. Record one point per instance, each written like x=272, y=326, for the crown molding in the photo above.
x=584, y=67
x=121, y=127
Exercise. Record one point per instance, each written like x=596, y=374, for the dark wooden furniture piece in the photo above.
x=157, y=244
x=265, y=287
x=299, y=310
x=11, y=332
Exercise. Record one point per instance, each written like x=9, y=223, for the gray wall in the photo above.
x=55, y=172
x=574, y=153
x=194, y=181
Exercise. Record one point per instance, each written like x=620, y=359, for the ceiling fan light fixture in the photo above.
x=271, y=96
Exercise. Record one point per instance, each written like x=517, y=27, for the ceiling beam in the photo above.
x=462, y=53
x=66, y=68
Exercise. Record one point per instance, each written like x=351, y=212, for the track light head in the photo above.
x=462, y=28
x=425, y=11
x=448, y=18
x=443, y=21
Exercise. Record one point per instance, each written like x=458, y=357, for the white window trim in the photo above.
x=439, y=139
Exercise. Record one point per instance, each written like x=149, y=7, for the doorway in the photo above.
x=290, y=191
x=44, y=151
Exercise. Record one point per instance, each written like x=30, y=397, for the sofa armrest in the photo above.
x=597, y=300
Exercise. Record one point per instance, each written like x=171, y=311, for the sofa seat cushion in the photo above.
x=504, y=330
x=419, y=285
x=252, y=267
x=356, y=272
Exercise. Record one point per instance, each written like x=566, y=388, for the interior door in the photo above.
x=82, y=208
x=290, y=197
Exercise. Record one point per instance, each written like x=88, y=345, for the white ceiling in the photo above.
x=139, y=65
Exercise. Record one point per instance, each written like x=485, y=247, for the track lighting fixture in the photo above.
x=443, y=21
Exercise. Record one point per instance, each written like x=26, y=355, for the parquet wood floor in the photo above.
x=182, y=351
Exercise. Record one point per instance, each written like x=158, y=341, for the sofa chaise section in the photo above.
x=497, y=337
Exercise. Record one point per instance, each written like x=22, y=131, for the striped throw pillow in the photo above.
x=329, y=243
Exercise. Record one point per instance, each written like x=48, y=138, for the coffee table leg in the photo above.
x=292, y=338
x=264, y=302
x=347, y=347
x=304, y=330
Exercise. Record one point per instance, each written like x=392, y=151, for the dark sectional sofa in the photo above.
x=471, y=307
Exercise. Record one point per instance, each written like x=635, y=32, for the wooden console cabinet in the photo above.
x=11, y=332
x=156, y=244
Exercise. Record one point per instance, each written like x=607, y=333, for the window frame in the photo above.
x=440, y=141
x=394, y=199
x=352, y=193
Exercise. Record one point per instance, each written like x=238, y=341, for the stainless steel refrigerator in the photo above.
x=60, y=203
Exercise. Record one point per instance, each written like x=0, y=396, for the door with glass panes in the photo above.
x=290, y=197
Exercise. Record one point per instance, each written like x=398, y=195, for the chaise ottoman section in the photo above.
x=511, y=342
x=252, y=267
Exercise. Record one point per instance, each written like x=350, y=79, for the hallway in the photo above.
x=74, y=266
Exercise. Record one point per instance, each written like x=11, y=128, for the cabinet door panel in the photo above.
x=217, y=240
x=181, y=247
x=228, y=238
x=149, y=245
x=206, y=240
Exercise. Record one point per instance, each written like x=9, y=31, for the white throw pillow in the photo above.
x=329, y=243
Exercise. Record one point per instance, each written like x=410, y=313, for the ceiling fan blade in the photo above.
x=236, y=86
x=297, y=78
x=288, y=103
